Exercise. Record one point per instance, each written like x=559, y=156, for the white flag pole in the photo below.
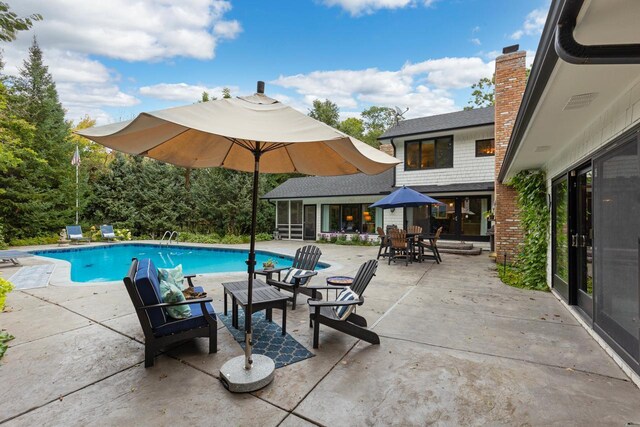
x=77, y=158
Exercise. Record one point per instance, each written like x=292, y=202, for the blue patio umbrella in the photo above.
x=405, y=198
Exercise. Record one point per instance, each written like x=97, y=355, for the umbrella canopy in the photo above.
x=244, y=134
x=226, y=131
x=403, y=198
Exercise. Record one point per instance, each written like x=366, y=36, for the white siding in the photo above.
x=622, y=115
x=466, y=168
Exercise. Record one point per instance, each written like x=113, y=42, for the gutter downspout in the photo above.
x=571, y=51
x=394, y=169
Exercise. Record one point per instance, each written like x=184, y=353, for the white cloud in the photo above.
x=227, y=29
x=132, y=30
x=476, y=41
x=533, y=24
x=425, y=87
x=74, y=31
x=362, y=7
x=84, y=85
x=182, y=91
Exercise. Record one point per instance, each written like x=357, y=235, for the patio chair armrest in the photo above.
x=207, y=316
x=325, y=287
x=306, y=274
x=189, y=277
x=172, y=304
x=318, y=303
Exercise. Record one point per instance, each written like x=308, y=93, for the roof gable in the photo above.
x=440, y=122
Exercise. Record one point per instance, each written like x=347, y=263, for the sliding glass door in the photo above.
x=617, y=242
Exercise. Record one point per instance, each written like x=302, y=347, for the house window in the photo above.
x=485, y=147
x=350, y=218
x=429, y=154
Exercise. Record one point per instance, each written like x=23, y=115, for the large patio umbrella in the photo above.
x=245, y=134
x=404, y=198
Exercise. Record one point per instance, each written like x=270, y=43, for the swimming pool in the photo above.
x=109, y=263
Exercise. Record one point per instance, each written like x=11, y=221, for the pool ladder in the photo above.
x=170, y=234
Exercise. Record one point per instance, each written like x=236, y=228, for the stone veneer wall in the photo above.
x=510, y=82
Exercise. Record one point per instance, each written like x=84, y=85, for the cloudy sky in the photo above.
x=113, y=59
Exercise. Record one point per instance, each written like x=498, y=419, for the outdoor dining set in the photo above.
x=410, y=245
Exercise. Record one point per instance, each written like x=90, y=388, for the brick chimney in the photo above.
x=510, y=81
x=387, y=148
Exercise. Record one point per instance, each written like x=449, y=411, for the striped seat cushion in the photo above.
x=343, y=311
x=290, y=277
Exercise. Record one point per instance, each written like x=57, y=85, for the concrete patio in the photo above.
x=457, y=348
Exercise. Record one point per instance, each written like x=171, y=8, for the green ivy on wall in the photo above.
x=531, y=264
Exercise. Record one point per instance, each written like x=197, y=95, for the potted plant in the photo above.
x=269, y=264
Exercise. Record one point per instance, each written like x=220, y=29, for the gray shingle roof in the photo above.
x=358, y=185
x=457, y=120
x=322, y=186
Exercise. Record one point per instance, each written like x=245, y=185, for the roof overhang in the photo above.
x=563, y=100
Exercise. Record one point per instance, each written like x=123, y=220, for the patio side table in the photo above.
x=263, y=299
x=242, y=285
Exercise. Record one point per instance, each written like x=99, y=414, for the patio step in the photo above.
x=447, y=244
x=472, y=251
x=458, y=248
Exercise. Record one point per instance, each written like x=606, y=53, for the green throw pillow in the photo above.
x=173, y=276
x=171, y=293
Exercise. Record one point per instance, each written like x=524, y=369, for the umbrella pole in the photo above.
x=248, y=373
x=251, y=262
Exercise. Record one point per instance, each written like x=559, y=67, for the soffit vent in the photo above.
x=580, y=101
x=542, y=148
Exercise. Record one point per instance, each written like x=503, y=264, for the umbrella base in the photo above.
x=237, y=379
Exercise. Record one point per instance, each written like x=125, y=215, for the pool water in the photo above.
x=109, y=263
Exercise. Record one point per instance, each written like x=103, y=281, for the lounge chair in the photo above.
x=325, y=312
x=74, y=234
x=159, y=328
x=107, y=233
x=298, y=275
x=12, y=256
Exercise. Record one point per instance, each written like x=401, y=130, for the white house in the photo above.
x=449, y=157
x=579, y=121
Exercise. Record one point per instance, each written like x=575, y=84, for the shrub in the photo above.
x=5, y=288
x=5, y=337
x=534, y=220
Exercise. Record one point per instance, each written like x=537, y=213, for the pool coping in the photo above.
x=61, y=275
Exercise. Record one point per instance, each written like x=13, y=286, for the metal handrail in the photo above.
x=165, y=235
x=171, y=237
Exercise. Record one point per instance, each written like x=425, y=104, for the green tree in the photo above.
x=352, y=126
x=41, y=193
x=11, y=23
x=226, y=93
x=326, y=112
x=376, y=121
x=482, y=94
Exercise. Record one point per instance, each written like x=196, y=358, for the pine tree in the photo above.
x=48, y=186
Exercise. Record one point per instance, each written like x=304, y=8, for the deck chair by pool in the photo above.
x=327, y=312
x=12, y=256
x=74, y=234
x=161, y=330
x=107, y=233
x=297, y=276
